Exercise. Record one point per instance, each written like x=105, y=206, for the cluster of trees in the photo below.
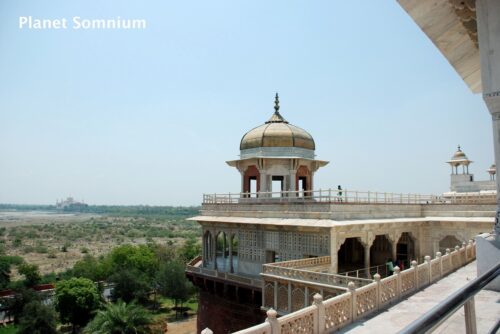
x=137, y=274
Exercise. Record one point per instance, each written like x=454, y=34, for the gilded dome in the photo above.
x=459, y=154
x=277, y=132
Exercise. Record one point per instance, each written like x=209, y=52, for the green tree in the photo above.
x=4, y=272
x=190, y=250
x=91, y=268
x=142, y=258
x=76, y=300
x=37, y=318
x=120, y=318
x=31, y=274
x=172, y=282
x=130, y=284
x=22, y=297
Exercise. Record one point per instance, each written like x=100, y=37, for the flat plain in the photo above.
x=56, y=240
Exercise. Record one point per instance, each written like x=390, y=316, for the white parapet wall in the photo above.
x=326, y=316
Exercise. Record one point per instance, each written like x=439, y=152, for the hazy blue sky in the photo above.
x=150, y=116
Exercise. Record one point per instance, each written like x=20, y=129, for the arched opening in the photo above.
x=405, y=250
x=380, y=251
x=277, y=185
x=350, y=255
x=303, y=181
x=450, y=242
x=251, y=182
x=233, y=255
x=207, y=249
x=221, y=252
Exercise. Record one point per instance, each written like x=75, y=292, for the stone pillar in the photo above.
x=394, y=246
x=367, y=255
x=231, y=266
x=214, y=250
x=242, y=181
x=488, y=16
x=334, y=261
x=224, y=245
x=263, y=181
x=293, y=183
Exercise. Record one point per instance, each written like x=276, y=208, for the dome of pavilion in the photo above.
x=277, y=132
x=459, y=155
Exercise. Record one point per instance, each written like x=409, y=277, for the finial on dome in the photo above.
x=277, y=103
x=459, y=148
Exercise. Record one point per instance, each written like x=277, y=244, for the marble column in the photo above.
x=224, y=245
x=231, y=267
x=488, y=16
x=334, y=264
x=214, y=250
x=367, y=255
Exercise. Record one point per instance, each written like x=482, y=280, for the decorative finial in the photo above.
x=277, y=103
x=459, y=148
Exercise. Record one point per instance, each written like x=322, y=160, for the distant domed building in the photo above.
x=279, y=241
x=462, y=181
x=277, y=157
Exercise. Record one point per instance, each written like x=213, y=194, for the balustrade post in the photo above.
x=439, y=257
x=464, y=258
x=275, y=302
x=354, y=310
x=471, y=244
x=306, y=296
x=376, y=277
x=319, y=323
x=273, y=321
x=397, y=272
x=457, y=251
x=427, y=259
x=207, y=331
x=290, y=297
x=414, y=265
x=470, y=316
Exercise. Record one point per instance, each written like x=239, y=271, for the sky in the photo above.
x=150, y=116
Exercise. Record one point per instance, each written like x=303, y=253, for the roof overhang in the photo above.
x=320, y=163
x=451, y=26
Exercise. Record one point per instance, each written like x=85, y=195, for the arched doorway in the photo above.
x=351, y=255
x=207, y=249
x=450, y=241
x=380, y=251
x=221, y=252
x=405, y=250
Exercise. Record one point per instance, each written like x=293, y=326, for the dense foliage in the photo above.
x=37, y=318
x=76, y=300
x=120, y=318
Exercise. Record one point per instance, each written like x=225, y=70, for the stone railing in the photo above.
x=309, y=262
x=276, y=270
x=348, y=196
x=198, y=269
x=323, y=195
x=334, y=313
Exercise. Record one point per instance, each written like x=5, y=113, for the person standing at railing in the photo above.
x=339, y=193
x=390, y=267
